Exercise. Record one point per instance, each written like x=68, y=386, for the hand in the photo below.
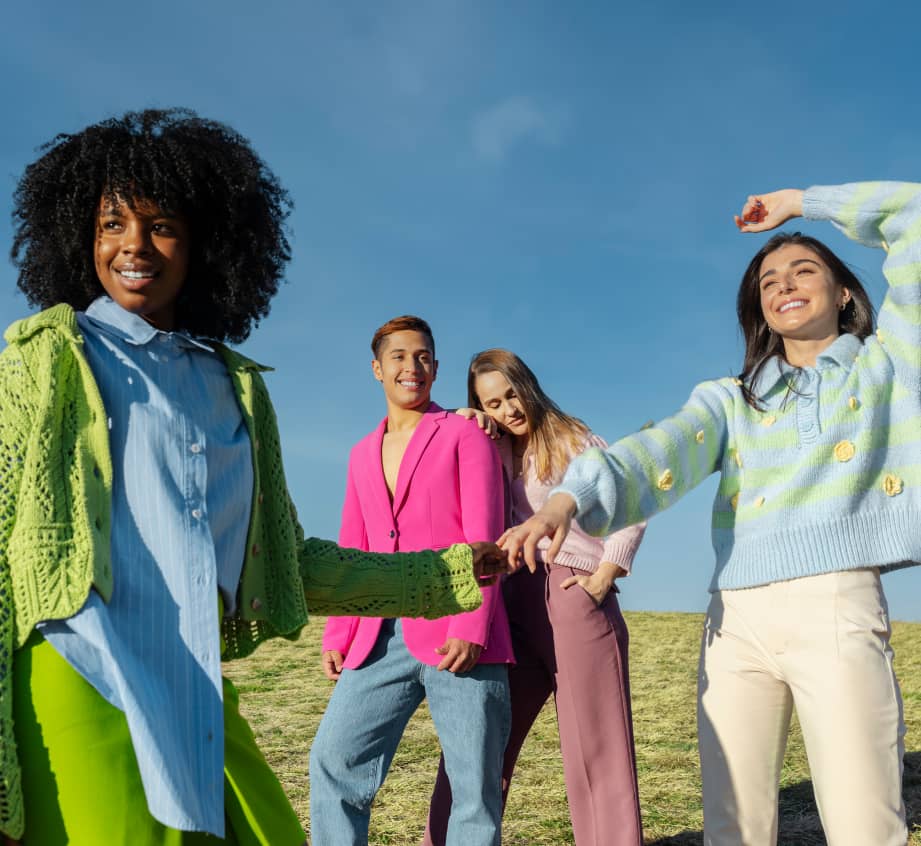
x=489, y=562
x=552, y=521
x=762, y=212
x=459, y=655
x=332, y=664
x=483, y=420
x=598, y=584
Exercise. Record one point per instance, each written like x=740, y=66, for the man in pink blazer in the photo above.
x=423, y=479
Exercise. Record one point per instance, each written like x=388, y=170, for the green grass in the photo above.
x=283, y=692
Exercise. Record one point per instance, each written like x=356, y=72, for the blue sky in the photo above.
x=558, y=179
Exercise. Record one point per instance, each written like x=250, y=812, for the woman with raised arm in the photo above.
x=817, y=443
x=569, y=636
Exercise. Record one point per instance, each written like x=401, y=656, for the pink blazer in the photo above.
x=449, y=490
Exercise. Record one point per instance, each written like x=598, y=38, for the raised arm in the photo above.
x=886, y=215
x=876, y=214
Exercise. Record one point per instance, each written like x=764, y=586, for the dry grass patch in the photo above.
x=283, y=692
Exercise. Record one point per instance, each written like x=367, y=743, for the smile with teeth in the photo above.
x=791, y=305
x=136, y=274
x=410, y=383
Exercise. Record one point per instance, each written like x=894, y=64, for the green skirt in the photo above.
x=80, y=778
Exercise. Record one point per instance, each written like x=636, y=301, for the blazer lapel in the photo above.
x=375, y=471
x=415, y=449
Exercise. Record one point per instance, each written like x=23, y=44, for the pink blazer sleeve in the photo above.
x=482, y=507
x=340, y=631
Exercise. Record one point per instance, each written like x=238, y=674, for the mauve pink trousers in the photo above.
x=570, y=647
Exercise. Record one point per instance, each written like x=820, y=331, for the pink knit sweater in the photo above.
x=580, y=550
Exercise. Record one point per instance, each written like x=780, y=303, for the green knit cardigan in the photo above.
x=55, y=513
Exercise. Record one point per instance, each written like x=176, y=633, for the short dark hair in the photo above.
x=200, y=169
x=761, y=344
x=404, y=323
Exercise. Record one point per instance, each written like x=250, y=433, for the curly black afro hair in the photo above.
x=200, y=169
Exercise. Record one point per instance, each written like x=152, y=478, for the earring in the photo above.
x=843, y=306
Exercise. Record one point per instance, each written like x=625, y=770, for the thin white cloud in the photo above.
x=498, y=129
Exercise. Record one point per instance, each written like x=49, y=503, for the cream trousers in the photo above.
x=820, y=643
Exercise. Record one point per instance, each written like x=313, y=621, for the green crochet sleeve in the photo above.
x=13, y=431
x=349, y=582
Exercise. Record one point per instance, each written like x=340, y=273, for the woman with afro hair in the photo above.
x=146, y=531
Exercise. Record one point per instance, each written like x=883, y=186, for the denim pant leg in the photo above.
x=471, y=713
x=357, y=738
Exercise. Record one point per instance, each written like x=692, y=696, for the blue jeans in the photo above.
x=365, y=720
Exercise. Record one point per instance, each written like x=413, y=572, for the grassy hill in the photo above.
x=283, y=692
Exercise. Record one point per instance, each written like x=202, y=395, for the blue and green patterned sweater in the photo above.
x=826, y=476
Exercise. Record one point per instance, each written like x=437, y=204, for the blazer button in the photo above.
x=256, y=604
x=393, y=534
x=255, y=549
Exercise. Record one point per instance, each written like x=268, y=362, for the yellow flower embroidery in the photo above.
x=647, y=425
x=737, y=381
x=666, y=480
x=844, y=450
x=699, y=437
x=738, y=457
x=734, y=502
x=759, y=502
x=881, y=335
x=770, y=420
x=892, y=485
x=854, y=403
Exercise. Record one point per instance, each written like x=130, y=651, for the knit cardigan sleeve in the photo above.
x=646, y=472
x=14, y=423
x=340, y=581
x=887, y=215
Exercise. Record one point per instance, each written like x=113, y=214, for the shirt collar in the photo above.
x=111, y=318
x=841, y=353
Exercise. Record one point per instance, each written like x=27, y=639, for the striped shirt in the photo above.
x=181, y=501
x=826, y=476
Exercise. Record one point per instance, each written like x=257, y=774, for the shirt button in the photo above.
x=255, y=549
x=256, y=604
x=196, y=448
x=393, y=534
x=196, y=513
x=261, y=497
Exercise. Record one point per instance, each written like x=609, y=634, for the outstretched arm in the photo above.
x=640, y=475
x=401, y=584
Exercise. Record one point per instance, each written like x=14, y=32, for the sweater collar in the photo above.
x=840, y=353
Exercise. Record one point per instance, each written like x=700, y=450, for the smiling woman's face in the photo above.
x=800, y=298
x=142, y=258
x=499, y=400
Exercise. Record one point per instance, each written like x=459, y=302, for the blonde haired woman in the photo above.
x=569, y=636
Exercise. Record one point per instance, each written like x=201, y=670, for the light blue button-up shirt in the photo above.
x=181, y=500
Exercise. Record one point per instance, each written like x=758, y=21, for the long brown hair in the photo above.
x=761, y=345
x=554, y=436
